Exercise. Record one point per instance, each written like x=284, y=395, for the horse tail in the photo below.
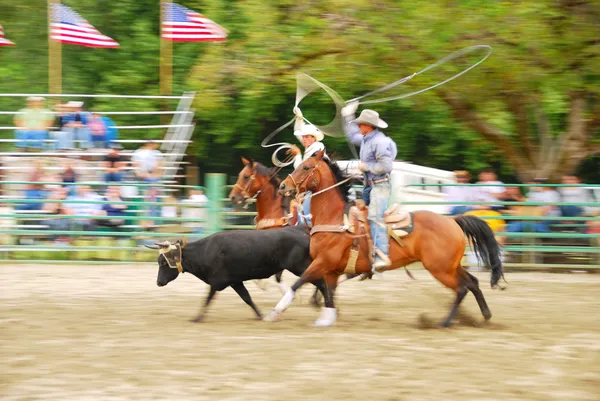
x=484, y=244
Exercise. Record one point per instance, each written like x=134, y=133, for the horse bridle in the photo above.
x=306, y=178
x=299, y=198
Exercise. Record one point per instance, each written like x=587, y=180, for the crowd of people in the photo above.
x=68, y=127
x=546, y=198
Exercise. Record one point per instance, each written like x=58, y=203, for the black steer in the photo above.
x=229, y=258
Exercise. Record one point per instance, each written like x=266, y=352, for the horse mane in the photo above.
x=268, y=172
x=339, y=175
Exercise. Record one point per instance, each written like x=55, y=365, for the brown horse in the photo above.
x=256, y=181
x=437, y=241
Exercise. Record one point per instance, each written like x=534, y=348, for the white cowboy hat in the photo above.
x=310, y=130
x=370, y=117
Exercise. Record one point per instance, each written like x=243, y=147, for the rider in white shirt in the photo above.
x=311, y=138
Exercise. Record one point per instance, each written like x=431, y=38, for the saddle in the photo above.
x=399, y=224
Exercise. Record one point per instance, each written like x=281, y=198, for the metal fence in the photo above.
x=26, y=236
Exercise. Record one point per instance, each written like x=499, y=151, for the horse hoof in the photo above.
x=196, y=320
x=328, y=317
x=273, y=316
x=487, y=316
x=445, y=325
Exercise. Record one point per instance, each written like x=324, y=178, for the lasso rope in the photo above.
x=307, y=84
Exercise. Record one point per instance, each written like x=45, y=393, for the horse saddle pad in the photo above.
x=400, y=223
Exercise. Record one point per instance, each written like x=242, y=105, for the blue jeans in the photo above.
x=378, y=196
x=81, y=135
x=570, y=211
x=532, y=226
x=32, y=194
x=113, y=177
x=456, y=210
x=305, y=211
x=31, y=138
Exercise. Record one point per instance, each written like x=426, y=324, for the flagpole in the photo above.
x=166, y=57
x=54, y=56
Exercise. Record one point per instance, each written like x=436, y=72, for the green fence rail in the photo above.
x=557, y=249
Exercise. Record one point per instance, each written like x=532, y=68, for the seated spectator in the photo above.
x=147, y=161
x=57, y=132
x=574, y=195
x=117, y=211
x=548, y=197
x=85, y=193
x=34, y=191
x=69, y=176
x=491, y=190
x=198, y=199
x=169, y=212
x=97, y=130
x=58, y=208
x=114, y=164
x=112, y=133
x=512, y=194
x=33, y=123
x=460, y=193
x=76, y=125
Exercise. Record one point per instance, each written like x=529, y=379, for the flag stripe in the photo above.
x=69, y=27
x=185, y=25
x=3, y=40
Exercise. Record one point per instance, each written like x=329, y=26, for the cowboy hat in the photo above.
x=310, y=130
x=370, y=117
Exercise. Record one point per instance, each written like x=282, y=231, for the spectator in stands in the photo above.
x=85, y=193
x=69, y=176
x=75, y=125
x=512, y=194
x=97, y=129
x=114, y=164
x=34, y=191
x=114, y=210
x=58, y=208
x=574, y=195
x=112, y=133
x=147, y=161
x=491, y=189
x=33, y=123
x=548, y=198
x=169, y=212
x=198, y=199
x=460, y=193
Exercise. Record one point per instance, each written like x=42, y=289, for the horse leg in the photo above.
x=472, y=285
x=328, y=314
x=243, y=293
x=313, y=273
x=282, y=287
x=209, y=298
x=316, y=301
x=454, y=280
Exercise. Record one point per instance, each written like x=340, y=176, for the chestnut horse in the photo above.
x=256, y=181
x=437, y=241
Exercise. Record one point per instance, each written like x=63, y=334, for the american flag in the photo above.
x=181, y=24
x=69, y=27
x=3, y=40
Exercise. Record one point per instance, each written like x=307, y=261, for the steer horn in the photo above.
x=152, y=246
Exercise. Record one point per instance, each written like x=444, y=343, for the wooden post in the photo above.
x=166, y=57
x=54, y=56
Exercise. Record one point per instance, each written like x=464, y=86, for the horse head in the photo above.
x=304, y=178
x=249, y=182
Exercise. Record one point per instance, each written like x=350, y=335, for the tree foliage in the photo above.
x=532, y=109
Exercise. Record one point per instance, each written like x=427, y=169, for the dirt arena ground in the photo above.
x=108, y=333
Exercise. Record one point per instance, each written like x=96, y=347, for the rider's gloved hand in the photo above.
x=298, y=113
x=294, y=151
x=350, y=109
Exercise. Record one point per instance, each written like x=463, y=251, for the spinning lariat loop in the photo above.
x=307, y=84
